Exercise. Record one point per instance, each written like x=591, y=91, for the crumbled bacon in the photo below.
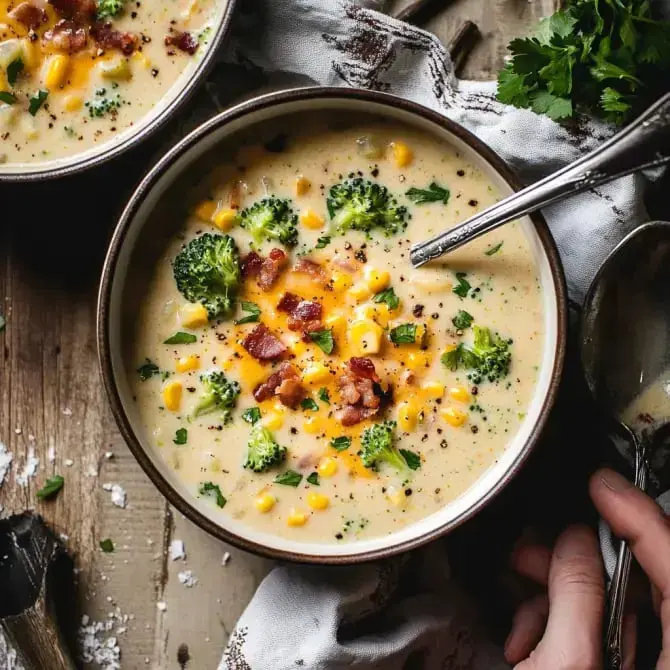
x=353, y=414
x=363, y=367
x=78, y=10
x=107, y=37
x=308, y=267
x=285, y=383
x=183, y=41
x=29, y=14
x=263, y=345
x=271, y=268
x=357, y=391
x=251, y=265
x=67, y=36
x=288, y=302
x=304, y=315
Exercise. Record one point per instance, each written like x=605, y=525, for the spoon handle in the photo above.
x=616, y=596
x=645, y=143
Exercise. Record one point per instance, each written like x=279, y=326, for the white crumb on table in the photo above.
x=177, y=551
x=161, y=605
x=69, y=462
x=5, y=461
x=29, y=468
x=187, y=578
x=51, y=454
x=119, y=497
x=97, y=645
x=66, y=411
x=225, y=558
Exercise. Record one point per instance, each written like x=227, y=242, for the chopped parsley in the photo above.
x=434, y=193
x=102, y=106
x=148, y=370
x=107, y=546
x=324, y=396
x=252, y=415
x=181, y=338
x=309, y=403
x=405, y=333
x=324, y=340
x=340, y=443
x=288, y=478
x=181, y=436
x=7, y=97
x=36, y=101
x=253, y=313
x=323, y=242
x=13, y=70
x=313, y=479
x=491, y=251
x=51, y=488
x=463, y=286
x=462, y=320
x=413, y=459
x=212, y=490
x=388, y=297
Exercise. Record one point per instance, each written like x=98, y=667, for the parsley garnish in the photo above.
x=107, y=546
x=388, y=297
x=313, y=479
x=323, y=242
x=413, y=460
x=340, y=443
x=211, y=489
x=181, y=338
x=181, y=436
x=452, y=358
x=288, y=478
x=253, y=313
x=405, y=333
x=434, y=193
x=494, y=250
x=7, y=97
x=148, y=370
x=463, y=287
x=13, y=70
x=324, y=396
x=462, y=320
x=309, y=403
x=51, y=488
x=37, y=100
x=324, y=340
x=252, y=415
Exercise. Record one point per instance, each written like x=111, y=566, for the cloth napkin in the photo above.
x=302, y=616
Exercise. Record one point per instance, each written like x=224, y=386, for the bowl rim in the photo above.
x=109, y=150
x=103, y=320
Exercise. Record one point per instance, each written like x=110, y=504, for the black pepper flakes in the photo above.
x=443, y=444
x=417, y=311
x=460, y=173
x=361, y=256
x=472, y=203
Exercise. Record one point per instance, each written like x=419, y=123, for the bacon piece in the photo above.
x=271, y=269
x=363, y=367
x=357, y=391
x=291, y=392
x=82, y=11
x=285, y=383
x=308, y=267
x=288, y=302
x=353, y=414
x=107, y=37
x=304, y=315
x=67, y=36
x=183, y=41
x=29, y=14
x=263, y=345
x=251, y=265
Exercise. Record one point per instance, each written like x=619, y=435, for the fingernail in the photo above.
x=574, y=542
x=614, y=481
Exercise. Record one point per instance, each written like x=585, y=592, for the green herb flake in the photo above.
x=413, y=460
x=148, y=370
x=213, y=490
x=107, y=546
x=181, y=338
x=288, y=478
x=323, y=242
x=7, y=97
x=324, y=340
x=463, y=286
x=451, y=359
x=181, y=436
x=434, y=193
x=313, y=479
x=324, y=396
x=388, y=297
x=51, y=488
x=405, y=333
x=491, y=251
x=252, y=415
x=37, y=100
x=253, y=313
x=462, y=320
x=310, y=404
x=13, y=70
x=340, y=443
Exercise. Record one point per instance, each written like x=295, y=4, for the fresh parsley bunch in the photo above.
x=610, y=58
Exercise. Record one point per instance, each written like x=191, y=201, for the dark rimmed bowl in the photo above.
x=128, y=262
x=163, y=111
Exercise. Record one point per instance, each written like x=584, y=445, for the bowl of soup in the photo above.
x=277, y=366
x=81, y=81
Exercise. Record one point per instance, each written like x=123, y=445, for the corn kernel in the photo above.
x=402, y=154
x=54, y=71
x=359, y=292
x=205, y=210
x=397, y=497
x=315, y=373
x=365, y=337
x=142, y=59
x=459, y=393
x=73, y=103
x=296, y=518
x=225, y=219
x=377, y=280
x=172, y=395
x=193, y=315
x=116, y=68
x=417, y=360
x=453, y=416
x=317, y=500
x=30, y=53
x=312, y=425
x=302, y=185
x=327, y=467
x=433, y=390
x=382, y=315
x=273, y=421
x=265, y=502
x=298, y=348
x=341, y=281
x=311, y=220
x=408, y=414
x=187, y=363
x=337, y=323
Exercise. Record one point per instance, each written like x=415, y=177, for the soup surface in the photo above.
x=76, y=73
x=371, y=394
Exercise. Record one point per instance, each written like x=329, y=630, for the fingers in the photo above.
x=532, y=561
x=527, y=628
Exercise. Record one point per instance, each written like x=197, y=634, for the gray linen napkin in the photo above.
x=301, y=616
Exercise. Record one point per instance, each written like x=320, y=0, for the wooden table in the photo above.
x=52, y=401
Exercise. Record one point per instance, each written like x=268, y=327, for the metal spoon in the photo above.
x=643, y=144
x=625, y=346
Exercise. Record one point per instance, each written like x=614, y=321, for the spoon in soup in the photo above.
x=625, y=347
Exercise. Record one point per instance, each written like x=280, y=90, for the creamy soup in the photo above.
x=76, y=73
x=338, y=393
x=652, y=405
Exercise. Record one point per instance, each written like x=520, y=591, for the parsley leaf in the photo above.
x=181, y=436
x=452, y=358
x=7, y=97
x=51, y=488
x=462, y=320
x=309, y=403
x=324, y=396
x=313, y=479
x=148, y=370
x=13, y=70
x=340, y=443
x=413, y=460
x=405, y=333
x=181, y=338
x=463, y=286
x=252, y=415
x=324, y=340
x=37, y=100
x=388, y=297
x=107, y=546
x=288, y=478
x=491, y=251
x=253, y=313
x=434, y=193
x=211, y=489
x=323, y=242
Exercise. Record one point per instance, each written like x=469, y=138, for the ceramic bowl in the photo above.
x=129, y=265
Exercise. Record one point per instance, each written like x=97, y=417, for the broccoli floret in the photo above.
x=364, y=205
x=207, y=270
x=108, y=8
x=377, y=447
x=218, y=395
x=271, y=219
x=263, y=452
